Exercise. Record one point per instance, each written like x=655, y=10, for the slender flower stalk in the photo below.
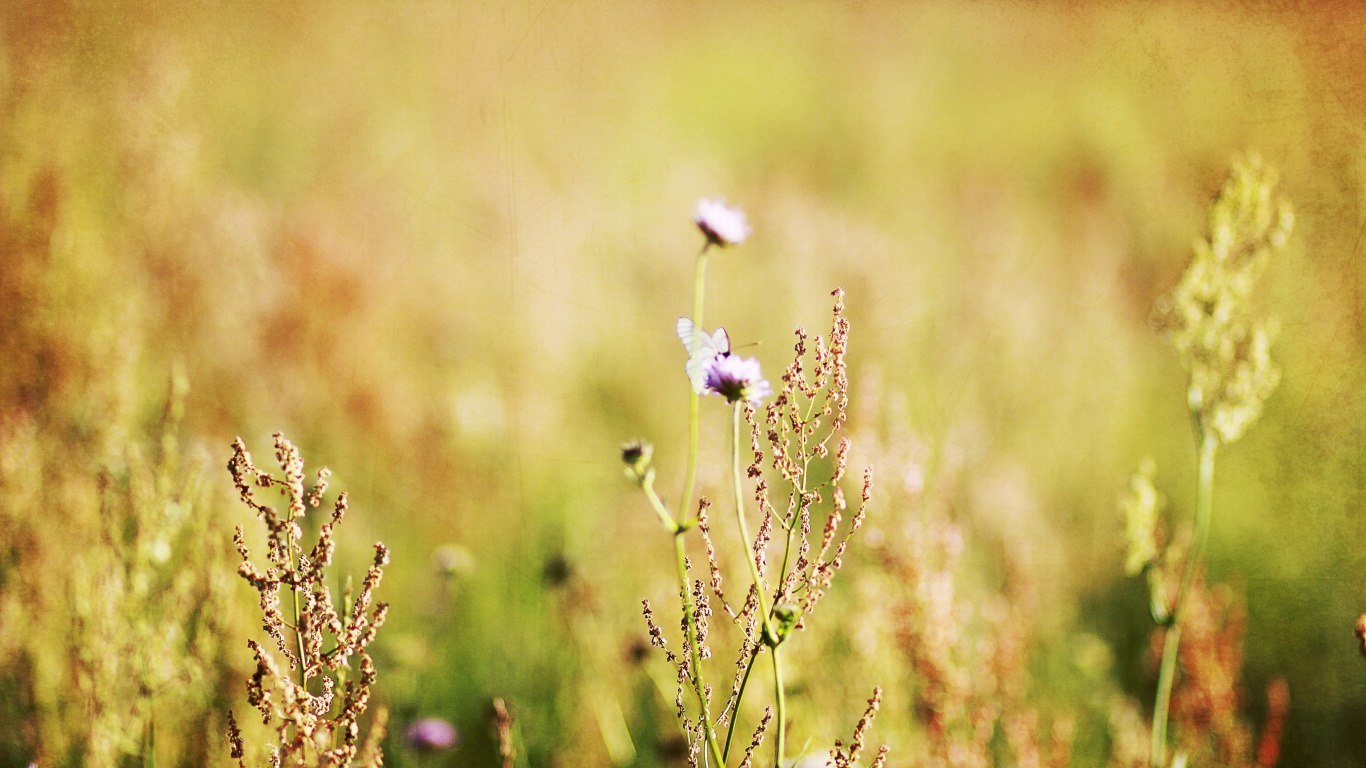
x=780, y=737
x=1225, y=348
x=636, y=456
x=1204, y=505
x=722, y=226
x=770, y=638
x=294, y=590
x=694, y=398
x=744, y=682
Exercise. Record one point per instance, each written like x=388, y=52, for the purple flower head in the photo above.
x=432, y=734
x=735, y=378
x=723, y=226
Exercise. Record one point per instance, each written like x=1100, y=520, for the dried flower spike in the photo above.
x=313, y=708
x=502, y=723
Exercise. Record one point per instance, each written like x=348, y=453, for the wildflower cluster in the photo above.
x=795, y=554
x=1209, y=314
x=799, y=426
x=321, y=724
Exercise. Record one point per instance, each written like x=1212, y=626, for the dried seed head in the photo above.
x=304, y=722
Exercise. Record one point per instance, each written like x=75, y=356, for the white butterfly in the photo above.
x=701, y=347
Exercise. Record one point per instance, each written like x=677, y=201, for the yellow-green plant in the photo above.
x=112, y=605
x=1225, y=345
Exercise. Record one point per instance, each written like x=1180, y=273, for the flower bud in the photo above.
x=636, y=456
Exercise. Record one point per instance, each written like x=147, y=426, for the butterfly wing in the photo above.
x=721, y=340
x=701, y=348
x=687, y=333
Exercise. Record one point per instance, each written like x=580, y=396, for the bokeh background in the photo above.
x=442, y=246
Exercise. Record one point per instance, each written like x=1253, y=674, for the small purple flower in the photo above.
x=432, y=734
x=723, y=226
x=735, y=378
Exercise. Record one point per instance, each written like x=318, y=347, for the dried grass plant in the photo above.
x=315, y=701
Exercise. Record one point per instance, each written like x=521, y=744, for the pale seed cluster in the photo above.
x=1210, y=315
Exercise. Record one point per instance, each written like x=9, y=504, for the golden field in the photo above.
x=442, y=247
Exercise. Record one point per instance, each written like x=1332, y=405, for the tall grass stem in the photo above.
x=294, y=592
x=1204, y=506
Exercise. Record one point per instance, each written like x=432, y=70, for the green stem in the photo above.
x=1204, y=506
x=690, y=628
x=735, y=714
x=744, y=682
x=780, y=739
x=770, y=637
x=294, y=591
x=699, y=292
x=149, y=738
x=647, y=484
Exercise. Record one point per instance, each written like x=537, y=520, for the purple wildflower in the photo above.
x=432, y=734
x=735, y=378
x=723, y=226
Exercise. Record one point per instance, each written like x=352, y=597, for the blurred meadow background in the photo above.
x=442, y=246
